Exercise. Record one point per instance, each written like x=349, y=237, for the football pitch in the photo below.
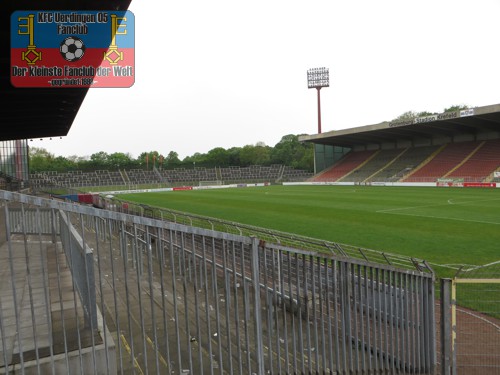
x=444, y=226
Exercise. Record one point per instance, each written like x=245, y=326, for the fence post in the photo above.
x=446, y=328
x=53, y=223
x=431, y=325
x=453, y=327
x=259, y=340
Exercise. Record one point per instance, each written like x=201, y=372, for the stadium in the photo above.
x=227, y=277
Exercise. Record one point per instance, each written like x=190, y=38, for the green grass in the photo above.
x=480, y=297
x=442, y=226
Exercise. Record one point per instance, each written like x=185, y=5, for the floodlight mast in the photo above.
x=316, y=79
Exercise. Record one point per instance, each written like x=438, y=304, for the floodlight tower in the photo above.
x=316, y=79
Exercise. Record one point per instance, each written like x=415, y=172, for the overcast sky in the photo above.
x=231, y=73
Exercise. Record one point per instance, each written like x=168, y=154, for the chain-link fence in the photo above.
x=471, y=337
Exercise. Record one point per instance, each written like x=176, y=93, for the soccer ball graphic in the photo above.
x=72, y=48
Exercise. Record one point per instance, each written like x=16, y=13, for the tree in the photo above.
x=283, y=151
x=307, y=160
x=99, y=160
x=217, y=157
x=455, y=108
x=40, y=159
x=61, y=164
x=255, y=155
x=120, y=160
x=172, y=160
x=77, y=159
x=234, y=156
x=406, y=116
x=289, y=151
x=262, y=154
x=425, y=113
x=149, y=159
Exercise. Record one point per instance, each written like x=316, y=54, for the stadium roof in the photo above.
x=448, y=125
x=39, y=112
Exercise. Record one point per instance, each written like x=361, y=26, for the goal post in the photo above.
x=210, y=183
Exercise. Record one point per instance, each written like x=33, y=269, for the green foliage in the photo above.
x=408, y=115
x=412, y=114
x=40, y=159
x=425, y=113
x=289, y=151
x=258, y=154
x=121, y=160
x=172, y=160
x=234, y=156
x=99, y=159
x=218, y=157
x=150, y=159
x=455, y=108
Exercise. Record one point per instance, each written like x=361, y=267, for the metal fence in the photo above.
x=80, y=259
x=270, y=235
x=178, y=299
x=37, y=221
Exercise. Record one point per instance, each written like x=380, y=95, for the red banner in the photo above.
x=480, y=184
x=183, y=188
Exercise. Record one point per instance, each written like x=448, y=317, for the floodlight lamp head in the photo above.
x=318, y=77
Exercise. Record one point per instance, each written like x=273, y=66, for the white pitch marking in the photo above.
x=479, y=317
x=451, y=201
x=444, y=217
x=456, y=266
x=491, y=264
x=406, y=208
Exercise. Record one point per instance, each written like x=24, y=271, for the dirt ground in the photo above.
x=477, y=342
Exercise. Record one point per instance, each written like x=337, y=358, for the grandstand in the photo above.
x=168, y=177
x=351, y=162
x=479, y=163
x=469, y=161
x=462, y=145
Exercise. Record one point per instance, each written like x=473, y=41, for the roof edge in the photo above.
x=402, y=123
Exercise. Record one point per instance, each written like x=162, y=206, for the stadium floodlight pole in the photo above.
x=316, y=79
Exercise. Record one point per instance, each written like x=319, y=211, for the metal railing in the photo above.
x=269, y=235
x=37, y=221
x=172, y=298
x=80, y=259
